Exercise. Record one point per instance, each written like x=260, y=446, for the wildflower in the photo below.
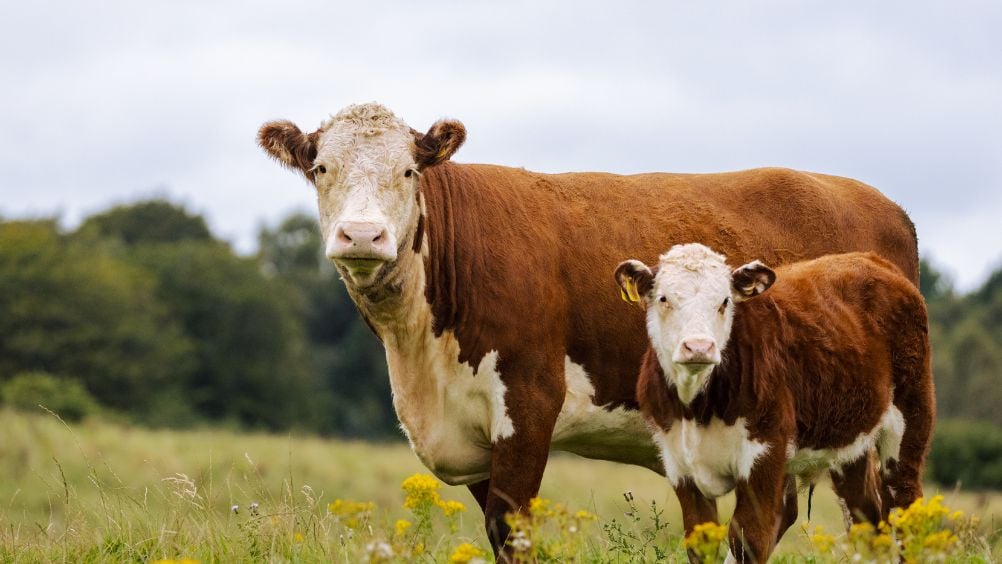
x=235, y=509
x=467, y=553
x=379, y=551
x=583, y=515
x=705, y=539
x=401, y=526
x=298, y=537
x=421, y=489
x=351, y=513
x=942, y=541
x=253, y=508
x=822, y=541
x=450, y=508
x=520, y=541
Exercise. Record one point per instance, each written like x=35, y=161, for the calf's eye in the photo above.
x=321, y=169
x=723, y=306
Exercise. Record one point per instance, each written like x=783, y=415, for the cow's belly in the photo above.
x=715, y=456
x=456, y=415
x=586, y=429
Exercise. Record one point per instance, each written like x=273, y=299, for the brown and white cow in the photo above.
x=486, y=286
x=828, y=367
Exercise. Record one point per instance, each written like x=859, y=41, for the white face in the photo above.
x=689, y=314
x=690, y=308
x=366, y=180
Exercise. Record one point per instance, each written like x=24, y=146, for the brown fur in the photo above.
x=815, y=359
x=517, y=263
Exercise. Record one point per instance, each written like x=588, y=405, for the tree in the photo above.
x=151, y=221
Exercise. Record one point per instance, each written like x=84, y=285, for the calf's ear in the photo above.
x=750, y=280
x=442, y=140
x=635, y=279
x=288, y=145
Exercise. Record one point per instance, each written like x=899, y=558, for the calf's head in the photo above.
x=365, y=164
x=689, y=298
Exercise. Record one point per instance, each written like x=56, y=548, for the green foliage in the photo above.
x=152, y=221
x=72, y=309
x=968, y=453
x=64, y=396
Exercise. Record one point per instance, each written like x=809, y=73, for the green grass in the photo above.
x=106, y=492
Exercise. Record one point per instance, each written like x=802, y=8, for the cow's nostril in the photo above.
x=377, y=238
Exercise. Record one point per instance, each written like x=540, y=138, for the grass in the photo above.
x=107, y=492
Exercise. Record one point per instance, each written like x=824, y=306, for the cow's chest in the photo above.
x=714, y=456
x=450, y=413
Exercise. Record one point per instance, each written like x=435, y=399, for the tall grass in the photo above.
x=107, y=492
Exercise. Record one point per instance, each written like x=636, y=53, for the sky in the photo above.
x=110, y=102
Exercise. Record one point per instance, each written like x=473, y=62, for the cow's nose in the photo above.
x=696, y=351
x=361, y=240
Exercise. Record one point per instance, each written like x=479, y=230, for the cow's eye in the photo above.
x=663, y=300
x=408, y=173
x=321, y=169
x=723, y=306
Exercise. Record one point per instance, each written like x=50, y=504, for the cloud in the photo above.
x=110, y=102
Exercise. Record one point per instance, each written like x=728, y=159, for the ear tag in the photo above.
x=630, y=293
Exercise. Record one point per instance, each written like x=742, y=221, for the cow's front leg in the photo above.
x=696, y=510
x=533, y=400
x=759, y=510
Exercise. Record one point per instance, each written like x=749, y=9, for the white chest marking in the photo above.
x=715, y=456
x=452, y=416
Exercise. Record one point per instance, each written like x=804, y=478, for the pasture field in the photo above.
x=107, y=492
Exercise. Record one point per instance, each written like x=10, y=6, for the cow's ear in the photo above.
x=635, y=280
x=751, y=280
x=442, y=140
x=288, y=145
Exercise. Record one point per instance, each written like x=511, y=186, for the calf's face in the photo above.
x=689, y=297
x=365, y=164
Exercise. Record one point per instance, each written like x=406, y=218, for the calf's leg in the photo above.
x=696, y=509
x=760, y=511
x=858, y=486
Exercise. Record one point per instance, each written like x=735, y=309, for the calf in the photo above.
x=828, y=367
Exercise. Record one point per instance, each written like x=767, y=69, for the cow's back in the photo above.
x=530, y=256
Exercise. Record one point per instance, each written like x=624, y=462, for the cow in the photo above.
x=755, y=377
x=484, y=283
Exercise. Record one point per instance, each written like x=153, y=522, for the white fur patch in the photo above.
x=715, y=456
x=452, y=416
x=886, y=436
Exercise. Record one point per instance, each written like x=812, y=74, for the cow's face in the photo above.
x=365, y=164
x=689, y=298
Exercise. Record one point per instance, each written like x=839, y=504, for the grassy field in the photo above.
x=108, y=492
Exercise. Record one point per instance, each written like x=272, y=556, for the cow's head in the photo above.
x=689, y=298
x=365, y=164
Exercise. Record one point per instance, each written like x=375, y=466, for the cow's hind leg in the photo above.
x=903, y=455
x=858, y=488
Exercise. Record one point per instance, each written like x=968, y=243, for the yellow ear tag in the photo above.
x=630, y=293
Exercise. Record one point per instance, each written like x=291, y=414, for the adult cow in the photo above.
x=489, y=286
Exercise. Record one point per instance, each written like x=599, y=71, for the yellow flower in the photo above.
x=298, y=537
x=421, y=489
x=705, y=540
x=450, y=507
x=401, y=526
x=466, y=553
x=822, y=541
x=942, y=541
x=583, y=515
x=351, y=513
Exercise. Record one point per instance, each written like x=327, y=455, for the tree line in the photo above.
x=146, y=314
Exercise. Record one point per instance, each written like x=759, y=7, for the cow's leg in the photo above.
x=759, y=510
x=696, y=509
x=790, y=509
x=479, y=491
x=915, y=400
x=533, y=400
x=858, y=487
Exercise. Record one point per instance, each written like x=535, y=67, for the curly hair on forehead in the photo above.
x=692, y=256
x=370, y=118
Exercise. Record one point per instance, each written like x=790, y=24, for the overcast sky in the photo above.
x=109, y=102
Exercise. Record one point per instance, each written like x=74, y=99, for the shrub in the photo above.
x=968, y=453
x=64, y=396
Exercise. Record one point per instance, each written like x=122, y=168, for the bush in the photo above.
x=968, y=453
x=66, y=397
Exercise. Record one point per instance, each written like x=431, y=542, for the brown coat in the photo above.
x=815, y=361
